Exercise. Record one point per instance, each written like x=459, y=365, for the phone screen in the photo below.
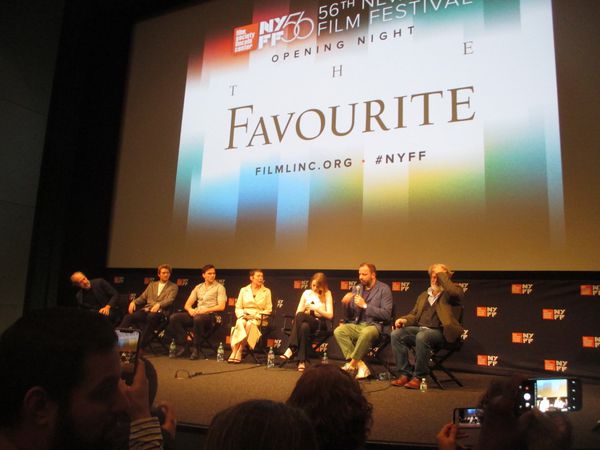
x=551, y=394
x=468, y=421
x=128, y=345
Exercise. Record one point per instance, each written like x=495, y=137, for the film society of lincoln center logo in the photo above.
x=286, y=29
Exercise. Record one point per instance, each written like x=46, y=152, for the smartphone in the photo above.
x=550, y=394
x=129, y=347
x=468, y=421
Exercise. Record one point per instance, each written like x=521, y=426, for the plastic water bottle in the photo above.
x=423, y=386
x=270, y=358
x=220, y=353
x=325, y=358
x=172, y=349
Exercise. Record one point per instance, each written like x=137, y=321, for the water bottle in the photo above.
x=172, y=349
x=324, y=359
x=220, y=353
x=270, y=358
x=423, y=386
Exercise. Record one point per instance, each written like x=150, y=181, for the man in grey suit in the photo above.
x=149, y=309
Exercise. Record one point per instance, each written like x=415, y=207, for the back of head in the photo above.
x=260, y=425
x=47, y=348
x=336, y=406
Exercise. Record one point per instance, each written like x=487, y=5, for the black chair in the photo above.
x=158, y=336
x=439, y=356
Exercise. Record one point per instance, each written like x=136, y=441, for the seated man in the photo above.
x=97, y=295
x=368, y=308
x=60, y=385
x=206, y=298
x=427, y=327
x=155, y=301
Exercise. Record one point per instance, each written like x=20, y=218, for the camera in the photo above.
x=128, y=345
x=550, y=394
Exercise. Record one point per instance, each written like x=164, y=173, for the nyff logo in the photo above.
x=522, y=338
x=400, y=286
x=465, y=335
x=118, y=280
x=274, y=343
x=464, y=286
x=231, y=301
x=221, y=281
x=487, y=360
x=487, y=311
x=590, y=341
x=301, y=284
x=182, y=281
x=286, y=29
x=522, y=289
x=553, y=314
x=555, y=365
x=589, y=289
x=279, y=303
x=148, y=280
x=347, y=285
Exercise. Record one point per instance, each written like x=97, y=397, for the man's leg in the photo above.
x=346, y=336
x=402, y=339
x=152, y=323
x=368, y=334
x=426, y=340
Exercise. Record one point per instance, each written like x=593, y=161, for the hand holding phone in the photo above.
x=550, y=394
x=468, y=421
x=128, y=346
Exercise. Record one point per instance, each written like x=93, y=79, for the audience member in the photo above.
x=206, y=298
x=260, y=425
x=148, y=310
x=333, y=401
x=252, y=307
x=60, y=385
x=315, y=303
x=98, y=295
x=502, y=427
x=429, y=325
x=368, y=308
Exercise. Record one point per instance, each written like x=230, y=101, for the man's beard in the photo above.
x=68, y=437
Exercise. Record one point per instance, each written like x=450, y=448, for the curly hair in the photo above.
x=336, y=406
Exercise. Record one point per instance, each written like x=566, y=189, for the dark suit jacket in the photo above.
x=103, y=292
x=449, y=299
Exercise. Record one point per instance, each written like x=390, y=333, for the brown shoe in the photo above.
x=194, y=354
x=415, y=383
x=400, y=381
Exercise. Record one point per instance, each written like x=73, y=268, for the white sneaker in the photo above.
x=363, y=373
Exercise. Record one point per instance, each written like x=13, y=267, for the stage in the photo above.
x=401, y=416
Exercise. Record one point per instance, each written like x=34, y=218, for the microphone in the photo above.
x=358, y=289
x=194, y=374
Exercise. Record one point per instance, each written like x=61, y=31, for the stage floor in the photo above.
x=400, y=415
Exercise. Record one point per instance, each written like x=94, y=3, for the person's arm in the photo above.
x=302, y=303
x=189, y=303
x=239, y=304
x=221, y=300
x=455, y=290
x=411, y=317
x=111, y=292
x=326, y=309
x=268, y=309
x=143, y=298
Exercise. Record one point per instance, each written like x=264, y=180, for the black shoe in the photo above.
x=194, y=354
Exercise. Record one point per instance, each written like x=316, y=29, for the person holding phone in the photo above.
x=315, y=303
x=427, y=326
x=251, y=308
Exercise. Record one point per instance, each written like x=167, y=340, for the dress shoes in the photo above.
x=415, y=383
x=363, y=373
x=400, y=381
x=194, y=354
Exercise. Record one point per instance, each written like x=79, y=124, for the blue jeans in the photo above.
x=424, y=340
